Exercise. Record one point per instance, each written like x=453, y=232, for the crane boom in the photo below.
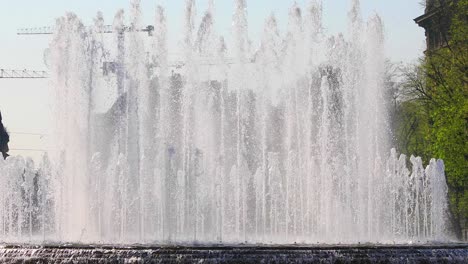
x=35, y=31
x=22, y=74
x=50, y=30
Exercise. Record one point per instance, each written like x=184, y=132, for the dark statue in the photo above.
x=4, y=139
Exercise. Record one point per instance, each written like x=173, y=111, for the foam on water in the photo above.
x=282, y=142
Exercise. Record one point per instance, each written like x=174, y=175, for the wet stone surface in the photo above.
x=457, y=253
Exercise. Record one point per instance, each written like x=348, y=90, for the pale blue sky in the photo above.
x=25, y=103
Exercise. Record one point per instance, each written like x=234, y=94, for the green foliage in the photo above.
x=446, y=71
x=433, y=118
x=412, y=128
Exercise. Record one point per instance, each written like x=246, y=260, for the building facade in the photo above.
x=436, y=21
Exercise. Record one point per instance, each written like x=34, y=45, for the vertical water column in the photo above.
x=268, y=68
x=239, y=83
x=3, y=199
x=71, y=72
x=161, y=84
x=96, y=172
x=417, y=197
x=206, y=137
x=95, y=53
x=140, y=122
x=343, y=168
x=371, y=134
x=222, y=167
x=324, y=172
x=3, y=205
x=377, y=124
x=12, y=202
x=414, y=211
x=437, y=199
x=115, y=198
x=391, y=181
x=402, y=199
x=186, y=174
x=313, y=58
x=354, y=121
x=396, y=177
x=45, y=203
x=119, y=36
x=96, y=180
x=293, y=137
x=350, y=65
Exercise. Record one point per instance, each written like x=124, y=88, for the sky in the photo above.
x=25, y=103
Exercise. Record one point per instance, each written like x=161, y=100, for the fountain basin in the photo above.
x=365, y=253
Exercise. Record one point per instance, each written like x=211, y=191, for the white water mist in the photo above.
x=282, y=142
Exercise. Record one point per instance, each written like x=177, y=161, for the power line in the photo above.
x=27, y=133
x=21, y=149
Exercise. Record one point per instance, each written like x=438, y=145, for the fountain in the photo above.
x=222, y=143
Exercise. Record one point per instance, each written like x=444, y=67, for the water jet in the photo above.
x=281, y=145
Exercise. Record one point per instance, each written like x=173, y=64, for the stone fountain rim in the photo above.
x=227, y=247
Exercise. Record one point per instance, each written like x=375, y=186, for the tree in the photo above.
x=409, y=115
x=434, y=116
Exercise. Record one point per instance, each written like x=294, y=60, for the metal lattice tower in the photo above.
x=106, y=29
x=22, y=74
x=35, y=31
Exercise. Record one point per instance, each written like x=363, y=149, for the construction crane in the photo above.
x=22, y=74
x=105, y=29
x=108, y=67
x=29, y=74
